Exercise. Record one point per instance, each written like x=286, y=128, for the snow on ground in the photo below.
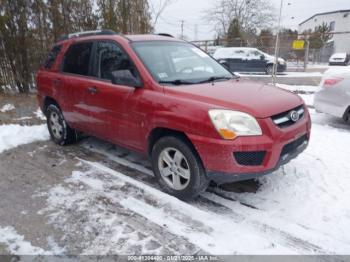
x=39, y=114
x=16, y=244
x=312, y=191
x=306, y=92
x=7, y=108
x=15, y=135
x=308, y=99
x=299, y=89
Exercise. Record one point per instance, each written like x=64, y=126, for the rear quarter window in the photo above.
x=51, y=58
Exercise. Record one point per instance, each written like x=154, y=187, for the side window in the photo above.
x=111, y=59
x=254, y=54
x=77, y=58
x=51, y=58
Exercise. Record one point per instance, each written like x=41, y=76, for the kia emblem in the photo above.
x=294, y=116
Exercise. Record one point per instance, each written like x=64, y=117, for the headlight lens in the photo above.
x=231, y=124
x=282, y=61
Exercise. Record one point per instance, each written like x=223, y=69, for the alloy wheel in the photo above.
x=56, y=125
x=174, y=168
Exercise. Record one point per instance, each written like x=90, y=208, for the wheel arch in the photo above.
x=49, y=101
x=346, y=115
x=159, y=132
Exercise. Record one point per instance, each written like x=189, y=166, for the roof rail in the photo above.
x=165, y=34
x=87, y=33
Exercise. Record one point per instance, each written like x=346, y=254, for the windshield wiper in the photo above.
x=177, y=82
x=214, y=78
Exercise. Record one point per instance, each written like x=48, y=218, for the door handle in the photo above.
x=92, y=90
x=56, y=82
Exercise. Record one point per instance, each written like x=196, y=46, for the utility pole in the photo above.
x=306, y=58
x=277, y=46
x=195, y=32
x=182, y=29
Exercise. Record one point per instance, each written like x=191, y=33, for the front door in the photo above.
x=114, y=105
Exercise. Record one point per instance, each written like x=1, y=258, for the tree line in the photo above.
x=251, y=23
x=28, y=29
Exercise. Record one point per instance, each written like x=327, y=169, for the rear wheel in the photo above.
x=178, y=169
x=59, y=130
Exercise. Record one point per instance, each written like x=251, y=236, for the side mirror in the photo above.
x=262, y=57
x=225, y=64
x=125, y=78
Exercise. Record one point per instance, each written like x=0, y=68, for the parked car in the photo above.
x=244, y=59
x=339, y=59
x=334, y=95
x=171, y=101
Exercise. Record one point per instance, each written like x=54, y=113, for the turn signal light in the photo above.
x=227, y=134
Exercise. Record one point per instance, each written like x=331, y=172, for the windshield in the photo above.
x=179, y=63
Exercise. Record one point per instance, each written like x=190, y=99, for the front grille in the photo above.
x=293, y=146
x=284, y=119
x=250, y=158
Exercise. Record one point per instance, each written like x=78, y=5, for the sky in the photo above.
x=193, y=14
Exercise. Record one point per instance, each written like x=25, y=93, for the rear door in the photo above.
x=77, y=80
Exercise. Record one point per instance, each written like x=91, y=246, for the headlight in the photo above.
x=282, y=61
x=231, y=124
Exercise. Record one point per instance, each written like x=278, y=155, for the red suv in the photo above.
x=168, y=99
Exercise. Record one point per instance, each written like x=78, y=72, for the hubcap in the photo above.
x=56, y=126
x=174, y=168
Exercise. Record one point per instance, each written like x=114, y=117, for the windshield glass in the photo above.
x=179, y=63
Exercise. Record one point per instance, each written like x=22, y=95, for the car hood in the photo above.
x=271, y=59
x=255, y=98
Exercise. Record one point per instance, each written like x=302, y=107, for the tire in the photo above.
x=269, y=69
x=59, y=130
x=347, y=117
x=172, y=177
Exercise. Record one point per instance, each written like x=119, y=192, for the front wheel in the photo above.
x=269, y=70
x=347, y=117
x=178, y=169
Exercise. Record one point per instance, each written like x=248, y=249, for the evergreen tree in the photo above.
x=234, y=36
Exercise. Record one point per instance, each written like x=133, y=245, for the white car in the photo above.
x=339, y=59
x=246, y=59
x=334, y=95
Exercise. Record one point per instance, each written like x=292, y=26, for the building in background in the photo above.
x=339, y=22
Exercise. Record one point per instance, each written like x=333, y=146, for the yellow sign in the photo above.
x=298, y=44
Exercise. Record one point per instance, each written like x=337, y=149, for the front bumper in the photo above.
x=221, y=165
x=343, y=63
x=333, y=101
x=281, y=67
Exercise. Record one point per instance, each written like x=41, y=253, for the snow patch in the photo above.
x=14, y=135
x=16, y=244
x=299, y=88
x=39, y=114
x=7, y=108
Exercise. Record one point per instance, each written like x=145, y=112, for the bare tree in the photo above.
x=251, y=15
x=157, y=7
